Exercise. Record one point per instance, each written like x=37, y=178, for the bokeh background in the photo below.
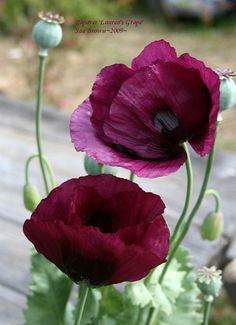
x=204, y=28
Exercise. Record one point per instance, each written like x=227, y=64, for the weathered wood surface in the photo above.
x=17, y=143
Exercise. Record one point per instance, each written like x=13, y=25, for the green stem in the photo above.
x=84, y=289
x=207, y=310
x=151, y=316
x=101, y=168
x=197, y=205
x=131, y=177
x=217, y=198
x=28, y=161
x=189, y=171
x=50, y=172
x=38, y=117
x=46, y=164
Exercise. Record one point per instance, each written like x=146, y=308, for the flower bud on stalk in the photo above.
x=227, y=89
x=31, y=197
x=47, y=32
x=209, y=281
x=212, y=226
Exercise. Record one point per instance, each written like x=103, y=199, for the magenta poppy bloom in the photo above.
x=101, y=229
x=139, y=117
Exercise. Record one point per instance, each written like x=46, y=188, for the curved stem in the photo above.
x=186, y=226
x=28, y=161
x=38, y=120
x=189, y=171
x=84, y=289
x=207, y=309
x=217, y=198
x=46, y=164
x=50, y=172
x=131, y=177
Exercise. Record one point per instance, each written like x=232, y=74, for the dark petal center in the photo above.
x=166, y=122
x=100, y=219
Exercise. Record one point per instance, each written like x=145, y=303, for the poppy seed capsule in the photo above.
x=31, y=197
x=209, y=281
x=227, y=89
x=47, y=32
x=212, y=226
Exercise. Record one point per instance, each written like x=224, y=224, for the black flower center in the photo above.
x=166, y=122
x=100, y=219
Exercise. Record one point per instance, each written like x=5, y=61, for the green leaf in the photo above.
x=138, y=294
x=48, y=294
x=111, y=301
x=187, y=306
x=175, y=301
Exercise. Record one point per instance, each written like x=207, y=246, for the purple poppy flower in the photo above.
x=139, y=117
x=102, y=229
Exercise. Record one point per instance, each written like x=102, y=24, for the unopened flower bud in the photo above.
x=209, y=281
x=212, y=226
x=47, y=32
x=227, y=89
x=91, y=166
x=94, y=168
x=31, y=197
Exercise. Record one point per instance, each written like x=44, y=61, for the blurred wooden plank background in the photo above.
x=17, y=143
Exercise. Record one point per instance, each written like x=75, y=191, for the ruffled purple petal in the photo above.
x=203, y=143
x=186, y=96
x=85, y=139
x=143, y=243
x=105, y=88
x=131, y=119
x=157, y=50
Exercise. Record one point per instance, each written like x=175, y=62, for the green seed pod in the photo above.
x=227, y=89
x=47, y=32
x=209, y=281
x=31, y=197
x=212, y=226
x=227, y=93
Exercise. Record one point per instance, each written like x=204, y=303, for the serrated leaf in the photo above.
x=187, y=306
x=111, y=301
x=183, y=257
x=172, y=283
x=138, y=294
x=48, y=294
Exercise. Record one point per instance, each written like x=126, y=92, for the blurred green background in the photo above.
x=73, y=66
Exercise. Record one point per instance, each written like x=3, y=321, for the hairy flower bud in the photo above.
x=212, y=226
x=227, y=89
x=31, y=197
x=209, y=281
x=47, y=32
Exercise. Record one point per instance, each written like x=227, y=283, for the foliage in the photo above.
x=175, y=301
x=48, y=294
